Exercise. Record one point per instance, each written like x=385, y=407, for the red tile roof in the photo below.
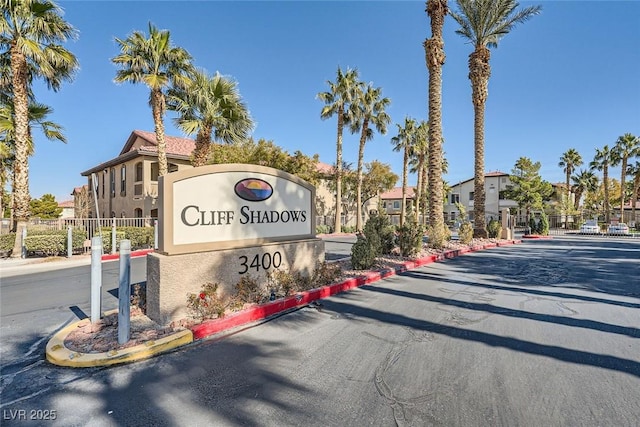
x=324, y=167
x=396, y=193
x=175, y=145
x=66, y=204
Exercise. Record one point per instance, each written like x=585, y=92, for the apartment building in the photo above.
x=495, y=184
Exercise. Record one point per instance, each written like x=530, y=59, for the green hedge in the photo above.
x=140, y=237
x=46, y=241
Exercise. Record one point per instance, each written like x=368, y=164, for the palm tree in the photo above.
x=417, y=160
x=569, y=161
x=584, y=181
x=484, y=23
x=404, y=142
x=37, y=118
x=210, y=105
x=158, y=64
x=33, y=32
x=337, y=101
x=634, y=171
x=435, y=57
x=626, y=146
x=601, y=162
x=367, y=110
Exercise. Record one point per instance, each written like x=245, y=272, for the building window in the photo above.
x=455, y=198
x=112, y=181
x=453, y=216
x=396, y=205
x=123, y=180
x=137, y=213
x=470, y=216
x=139, y=172
x=470, y=195
x=384, y=205
x=154, y=171
x=105, y=172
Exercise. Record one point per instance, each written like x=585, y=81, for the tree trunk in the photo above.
x=479, y=73
x=203, y=144
x=21, y=196
x=605, y=182
x=418, y=192
x=623, y=176
x=337, y=224
x=365, y=127
x=405, y=163
x=634, y=197
x=435, y=58
x=157, y=108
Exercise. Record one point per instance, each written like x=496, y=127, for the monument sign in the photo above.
x=220, y=222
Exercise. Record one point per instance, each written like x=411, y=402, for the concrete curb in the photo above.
x=260, y=312
x=536, y=236
x=58, y=354
x=141, y=252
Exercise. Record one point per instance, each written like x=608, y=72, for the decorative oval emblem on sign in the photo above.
x=253, y=189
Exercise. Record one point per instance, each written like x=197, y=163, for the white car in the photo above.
x=620, y=228
x=589, y=228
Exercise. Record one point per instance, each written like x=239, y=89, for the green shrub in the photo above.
x=363, y=253
x=533, y=226
x=380, y=232
x=323, y=229
x=349, y=229
x=437, y=238
x=7, y=241
x=494, y=228
x=410, y=236
x=465, y=233
x=47, y=244
x=543, y=225
x=140, y=237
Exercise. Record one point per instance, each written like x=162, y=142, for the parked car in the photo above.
x=590, y=227
x=620, y=228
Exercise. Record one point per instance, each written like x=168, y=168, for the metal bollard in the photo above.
x=113, y=235
x=69, y=242
x=124, y=292
x=23, y=253
x=96, y=278
x=155, y=234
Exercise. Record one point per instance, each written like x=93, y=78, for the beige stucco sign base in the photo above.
x=171, y=278
x=219, y=223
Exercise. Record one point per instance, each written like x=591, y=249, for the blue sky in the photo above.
x=568, y=78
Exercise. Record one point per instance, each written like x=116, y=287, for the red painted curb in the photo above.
x=142, y=252
x=536, y=236
x=259, y=312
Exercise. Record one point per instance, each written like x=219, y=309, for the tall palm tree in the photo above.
x=569, y=161
x=37, y=118
x=601, y=162
x=33, y=32
x=337, y=101
x=368, y=112
x=210, y=105
x=633, y=170
x=583, y=182
x=435, y=57
x=158, y=64
x=484, y=23
x=419, y=165
x=404, y=142
x=626, y=146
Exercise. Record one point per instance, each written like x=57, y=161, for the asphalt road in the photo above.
x=545, y=333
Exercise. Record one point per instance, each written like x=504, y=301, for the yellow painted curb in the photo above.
x=60, y=355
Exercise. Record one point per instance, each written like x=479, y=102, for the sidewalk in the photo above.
x=10, y=267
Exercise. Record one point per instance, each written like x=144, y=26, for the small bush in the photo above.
x=323, y=229
x=437, y=238
x=363, y=253
x=207, y=304
x=349, y=229
x=379, y=231
x=543, y=224
x=7, y=241
x=465, y=233
x=325, y=274
x=249, y=291
x=410, y=236
x=281, y=283
x=494, y=228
